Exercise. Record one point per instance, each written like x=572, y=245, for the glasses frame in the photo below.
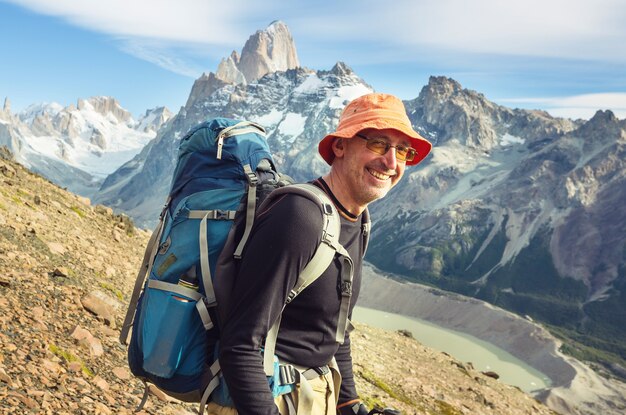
x=410, y=155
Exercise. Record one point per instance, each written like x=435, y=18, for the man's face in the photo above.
x=367, y=174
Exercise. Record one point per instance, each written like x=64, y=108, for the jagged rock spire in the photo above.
x=266, y=51
x=7, y=105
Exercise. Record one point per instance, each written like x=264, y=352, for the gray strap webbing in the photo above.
x=144, y=270
x=317, y=265
x=212, y=214
x=144, y=398
x=205, y=269
x=270, y=346
x=305, y=397
x=327, y=250
x=334, y=368
x=175, y=288
x=204, y=315
x=250, y=209
x=347, y=273
x=330, y=241
x=291, y=407
x=215, y=380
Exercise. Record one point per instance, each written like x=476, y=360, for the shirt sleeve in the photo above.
x=347, y=392
x=283, y=240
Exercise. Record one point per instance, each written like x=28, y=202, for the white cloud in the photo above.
x=576, y=106
x=552, y=28
x=576, y=29
x=207, y=21
x=160, y=54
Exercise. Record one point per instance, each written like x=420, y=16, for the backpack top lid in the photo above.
x=197, y=152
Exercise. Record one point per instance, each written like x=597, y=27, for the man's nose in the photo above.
x=391, y=159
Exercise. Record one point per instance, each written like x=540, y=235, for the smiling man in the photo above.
x=368, y=154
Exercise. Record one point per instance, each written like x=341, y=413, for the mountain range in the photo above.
x=515, y=207
x=78, y=146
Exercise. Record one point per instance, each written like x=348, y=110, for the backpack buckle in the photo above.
x=346, y=288
x=287, y=374
x=221, y=214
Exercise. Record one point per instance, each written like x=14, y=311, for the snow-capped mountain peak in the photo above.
x=79, y=145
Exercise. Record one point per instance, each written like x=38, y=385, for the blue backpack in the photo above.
x=223, y=175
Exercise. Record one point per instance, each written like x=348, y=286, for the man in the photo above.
x=368, y=153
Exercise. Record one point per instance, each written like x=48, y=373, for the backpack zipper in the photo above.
x=249, y=127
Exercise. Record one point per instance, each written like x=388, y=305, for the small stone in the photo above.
x=158, y=393
x=5, y=378
x=121, y=373
x=29, y=402
x=491, y=374
x=101, y=409
x=405, y=333
x=7, y=170
x=116, y=236
x=37, y=200
x=75, y=367
x=104, y=210
x=56, y=248
x=86, y=339
x=84, y=200
x=101, y=383
x=38, y=313
x=94, y=345
x=95, y=303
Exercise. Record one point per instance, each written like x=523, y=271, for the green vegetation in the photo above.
x=589, y=349
x=464, y=265
x=395, y=392
x=78, y=211
x=69, y=357
x=111, y=288
x=446, y=409
x=374, y=402
x=530, y=285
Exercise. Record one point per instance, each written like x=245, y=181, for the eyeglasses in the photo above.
x=382, y=146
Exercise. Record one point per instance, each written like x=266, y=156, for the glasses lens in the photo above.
x=402, y=152
x=381, y=147
x=377, y=146
x=411, y=153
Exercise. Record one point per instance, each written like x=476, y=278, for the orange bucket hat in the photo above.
x=380, y=112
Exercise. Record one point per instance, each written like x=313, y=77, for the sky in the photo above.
x=564, y=56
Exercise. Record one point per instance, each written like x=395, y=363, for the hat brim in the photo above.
x=418, y=142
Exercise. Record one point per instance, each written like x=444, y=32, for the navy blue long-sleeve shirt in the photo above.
x=283, y=240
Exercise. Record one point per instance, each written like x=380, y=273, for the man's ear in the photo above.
x=338, y=147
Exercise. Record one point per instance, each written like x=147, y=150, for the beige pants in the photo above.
x=324, y=402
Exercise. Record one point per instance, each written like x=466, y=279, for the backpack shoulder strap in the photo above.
x=323, y=256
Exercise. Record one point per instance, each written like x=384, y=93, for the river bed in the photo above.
x=464, y=347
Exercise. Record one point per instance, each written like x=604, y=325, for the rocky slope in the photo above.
x=67, y=269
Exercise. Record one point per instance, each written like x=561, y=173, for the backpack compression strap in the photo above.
x=322, y=258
